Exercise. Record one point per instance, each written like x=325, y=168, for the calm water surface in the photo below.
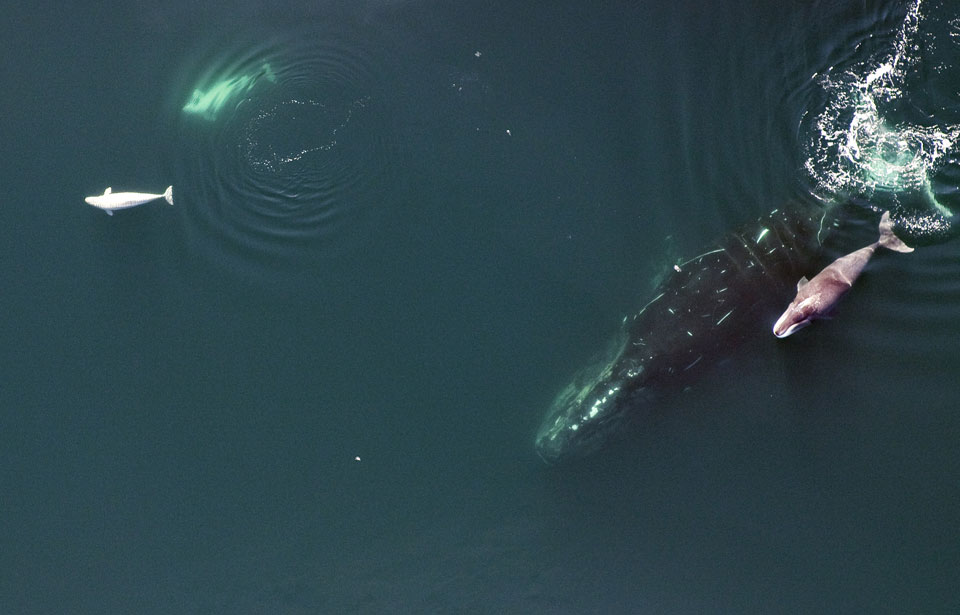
x=312, y=385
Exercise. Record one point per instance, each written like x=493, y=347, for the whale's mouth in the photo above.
x=560, y=438
x=586, y=411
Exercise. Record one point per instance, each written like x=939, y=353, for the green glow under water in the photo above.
x=209, y=102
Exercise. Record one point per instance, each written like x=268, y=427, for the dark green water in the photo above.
x=312, y=385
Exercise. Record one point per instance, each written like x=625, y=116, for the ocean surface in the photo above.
x=312, y=385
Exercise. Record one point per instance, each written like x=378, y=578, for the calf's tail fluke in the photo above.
x=168, y=194
x=887, y=239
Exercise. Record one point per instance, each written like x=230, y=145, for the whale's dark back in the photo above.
x=733, y=291
x=706, y=307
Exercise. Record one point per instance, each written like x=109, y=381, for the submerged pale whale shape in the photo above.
x=815, y=298
x=699, y=313
x=111, y=201
x=208, y=103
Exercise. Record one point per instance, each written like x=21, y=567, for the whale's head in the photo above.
x=797, y=316
x=591, y=408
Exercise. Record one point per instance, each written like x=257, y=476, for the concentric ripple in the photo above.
x=880, y=140
x=287, y=150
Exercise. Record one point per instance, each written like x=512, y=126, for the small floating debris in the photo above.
x=477, y=54
x=357, y=458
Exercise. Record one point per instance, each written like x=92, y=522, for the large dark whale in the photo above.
x=705, y=307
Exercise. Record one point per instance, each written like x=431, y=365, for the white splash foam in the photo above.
x=854, y=150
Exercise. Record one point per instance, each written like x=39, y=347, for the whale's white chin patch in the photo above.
x=778, y=327
x=781, y=332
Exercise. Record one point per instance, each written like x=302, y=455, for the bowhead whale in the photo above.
x=707, y=305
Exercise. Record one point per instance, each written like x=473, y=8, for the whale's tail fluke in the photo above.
x=168, y=195
x=887, y=239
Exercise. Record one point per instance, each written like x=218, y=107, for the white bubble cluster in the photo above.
x=856, y=149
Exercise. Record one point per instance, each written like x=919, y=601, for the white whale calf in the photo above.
x=111, y=201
